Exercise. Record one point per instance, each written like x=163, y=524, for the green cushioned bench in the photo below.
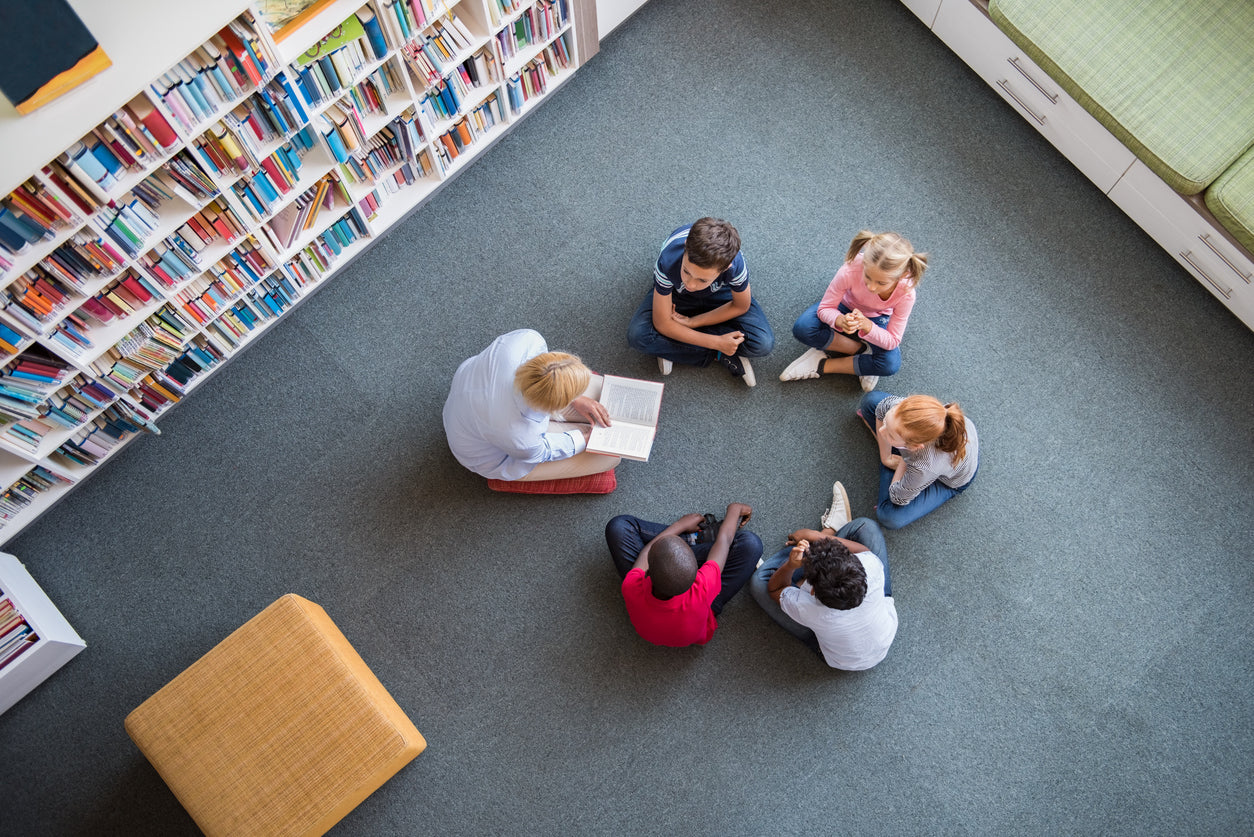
x=1231, y=199
x=1172, y=79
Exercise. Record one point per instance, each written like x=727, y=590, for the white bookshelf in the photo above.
x=57, y=643
x=145, y=40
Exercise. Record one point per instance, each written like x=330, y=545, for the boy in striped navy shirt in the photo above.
x=700, y=309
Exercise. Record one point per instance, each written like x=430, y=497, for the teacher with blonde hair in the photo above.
x=517, y=411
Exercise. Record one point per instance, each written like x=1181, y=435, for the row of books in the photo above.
x=11, y=341
x=130, y=223
x=371, y=95
x=276, y=176
x=208, y=296
x=272, y=296
x=343, y=128
x=328, y=74
x=27, y=384
x=381, y=153
x=96, y=439
x=403, y=20
x=161, y=389
x=532, y=79
x=302, y=214
x=536, y=25
x=130, y=293
x=503, y=9
x=404, y=136
x=433, y=56
x=470, y=128
x=182, y=172
x=16, y=634
x=35, y=299
x=447, y=98
x=390, y=184
x=215, y=74
x=82, y=258
x=32, y=213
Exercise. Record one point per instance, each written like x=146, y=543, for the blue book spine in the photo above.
x=336, y=144
x=106, y=157
x=374, y=34
x=292, y=98
x=328, y=71
x=309, y=87
x=262, y=184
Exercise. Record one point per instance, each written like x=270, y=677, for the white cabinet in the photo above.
x=1184, y=232
x=924, y=10
x=1086, y=143
x=57, y=642
x=1181, y=227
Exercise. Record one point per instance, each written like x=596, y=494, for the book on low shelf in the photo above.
x=633, y=405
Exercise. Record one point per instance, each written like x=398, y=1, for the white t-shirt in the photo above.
x=855, y=639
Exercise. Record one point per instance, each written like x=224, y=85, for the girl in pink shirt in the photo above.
x=856, y=328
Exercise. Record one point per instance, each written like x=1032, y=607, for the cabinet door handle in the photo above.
x=1227, y=292
x=1205, y=237
x=1014, y=62
x=1040, y=120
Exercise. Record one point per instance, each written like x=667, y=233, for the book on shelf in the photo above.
x=633, y=405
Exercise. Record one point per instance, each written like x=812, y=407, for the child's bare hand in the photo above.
x=798, y=552
x=730, y=342
x=690, y=522
x=859, y=321
x=681, y=318
x=739, y=511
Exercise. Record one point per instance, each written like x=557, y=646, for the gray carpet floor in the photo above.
x=1073, y=655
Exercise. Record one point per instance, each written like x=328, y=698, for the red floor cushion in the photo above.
x=602, y=483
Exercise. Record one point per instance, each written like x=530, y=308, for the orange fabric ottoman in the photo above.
x=280, y=729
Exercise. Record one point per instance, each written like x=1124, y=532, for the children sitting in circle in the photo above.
x=829, y=587
x=863, y=313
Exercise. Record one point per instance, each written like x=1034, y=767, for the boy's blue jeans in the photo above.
x=889, y=514
x=643, y=337
x=860, y=530
x=813, y=332
x=626, y=536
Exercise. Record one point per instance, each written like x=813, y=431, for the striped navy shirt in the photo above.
x=667, y=278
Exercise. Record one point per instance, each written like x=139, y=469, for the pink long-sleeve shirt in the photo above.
x=847, y=287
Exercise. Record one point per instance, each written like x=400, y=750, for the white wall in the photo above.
x=610, y=13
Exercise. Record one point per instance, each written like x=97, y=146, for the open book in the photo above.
x=633, y=406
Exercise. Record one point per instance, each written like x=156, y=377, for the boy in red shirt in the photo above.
x=674, y=590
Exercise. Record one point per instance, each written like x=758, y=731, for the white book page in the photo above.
x=632, y=401
x=630, y=440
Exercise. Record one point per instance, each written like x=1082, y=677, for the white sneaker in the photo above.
x=839, y=513
x=664, y=366
x=806, y=366
x=868, y=382
x=748, y=377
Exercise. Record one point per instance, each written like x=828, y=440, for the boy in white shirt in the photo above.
x=831, y=589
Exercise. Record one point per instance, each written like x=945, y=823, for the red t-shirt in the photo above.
x=683, y=620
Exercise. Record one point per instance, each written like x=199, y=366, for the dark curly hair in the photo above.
x=672, y=566
x=836, y=574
